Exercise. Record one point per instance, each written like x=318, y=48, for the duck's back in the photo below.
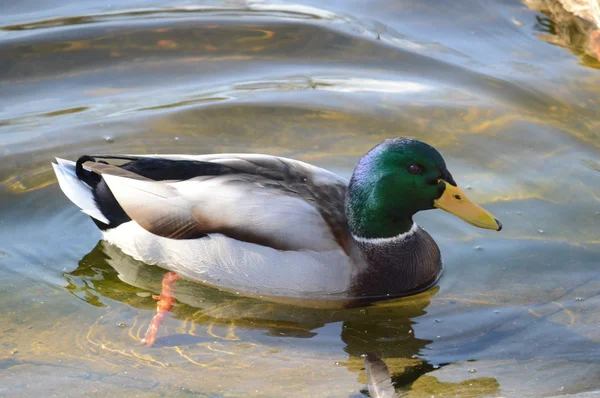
x=242, y=222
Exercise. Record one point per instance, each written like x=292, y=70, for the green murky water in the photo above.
x=508, y=94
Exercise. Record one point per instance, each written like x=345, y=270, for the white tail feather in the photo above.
x=76, y=190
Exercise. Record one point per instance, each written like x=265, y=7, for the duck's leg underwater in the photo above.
x=166, y=301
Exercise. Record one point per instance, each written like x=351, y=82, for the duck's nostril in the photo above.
x=457, y=197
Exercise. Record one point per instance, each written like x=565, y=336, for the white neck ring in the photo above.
x=392, y=239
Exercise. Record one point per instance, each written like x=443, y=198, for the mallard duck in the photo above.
x=269, y=226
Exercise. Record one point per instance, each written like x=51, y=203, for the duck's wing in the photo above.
x=272, y=201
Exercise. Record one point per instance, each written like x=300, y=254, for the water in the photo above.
x=499, y=89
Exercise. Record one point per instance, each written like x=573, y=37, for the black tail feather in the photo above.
x=89, y=177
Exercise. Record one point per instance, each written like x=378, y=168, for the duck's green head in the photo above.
x=398, y=178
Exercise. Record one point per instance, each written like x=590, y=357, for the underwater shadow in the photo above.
x=385, y=328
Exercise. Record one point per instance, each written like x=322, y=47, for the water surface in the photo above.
x=511, y=104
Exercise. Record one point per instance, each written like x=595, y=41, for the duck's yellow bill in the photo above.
x=454, y=201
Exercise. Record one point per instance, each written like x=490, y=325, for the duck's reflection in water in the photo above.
x=384, y=329
x=207, y=316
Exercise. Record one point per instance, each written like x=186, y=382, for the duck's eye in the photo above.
x=415, y=169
